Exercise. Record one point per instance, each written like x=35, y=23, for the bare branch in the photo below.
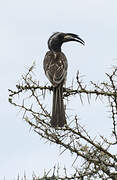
x=98, y=161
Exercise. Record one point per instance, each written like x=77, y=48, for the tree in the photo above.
x=98, y=161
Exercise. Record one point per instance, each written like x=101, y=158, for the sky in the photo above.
x=25, y=27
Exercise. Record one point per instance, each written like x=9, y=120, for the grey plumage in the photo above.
x=55, y=67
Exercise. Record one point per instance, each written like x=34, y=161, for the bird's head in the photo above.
x=57, y=39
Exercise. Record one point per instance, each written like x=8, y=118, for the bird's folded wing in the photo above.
x=55, y=66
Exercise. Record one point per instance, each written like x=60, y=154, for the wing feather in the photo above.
x=55, y=66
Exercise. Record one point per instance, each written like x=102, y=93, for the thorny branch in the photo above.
x=98, y=160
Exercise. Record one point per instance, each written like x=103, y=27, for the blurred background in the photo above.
x=25, y=27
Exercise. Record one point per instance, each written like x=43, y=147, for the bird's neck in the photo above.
x=56, y=49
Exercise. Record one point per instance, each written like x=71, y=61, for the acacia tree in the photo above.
x=98, y=161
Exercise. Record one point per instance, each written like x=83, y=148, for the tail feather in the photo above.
x=58, y=111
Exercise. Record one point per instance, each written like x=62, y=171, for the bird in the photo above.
x=55, y=65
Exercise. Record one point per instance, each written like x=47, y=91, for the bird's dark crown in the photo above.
x=57, y=39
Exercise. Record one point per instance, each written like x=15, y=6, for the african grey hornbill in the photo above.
x=55, y=67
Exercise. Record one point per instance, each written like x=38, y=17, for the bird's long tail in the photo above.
x=58, y=111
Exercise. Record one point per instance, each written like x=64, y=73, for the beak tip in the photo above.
x=73, y=37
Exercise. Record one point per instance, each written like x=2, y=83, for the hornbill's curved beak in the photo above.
x=73, y=37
